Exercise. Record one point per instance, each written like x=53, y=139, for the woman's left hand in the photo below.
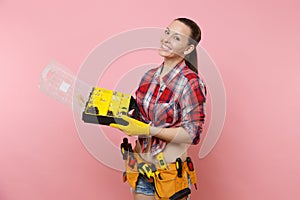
x=134, y=127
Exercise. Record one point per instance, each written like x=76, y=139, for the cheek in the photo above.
x=179, y=49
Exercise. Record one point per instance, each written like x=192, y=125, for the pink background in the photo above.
x=255, y=45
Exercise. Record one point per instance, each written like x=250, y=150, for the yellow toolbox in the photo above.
x=105, y=107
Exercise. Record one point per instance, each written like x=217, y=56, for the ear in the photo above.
x=189, y=49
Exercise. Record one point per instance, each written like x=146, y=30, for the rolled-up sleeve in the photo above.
x=192, y=105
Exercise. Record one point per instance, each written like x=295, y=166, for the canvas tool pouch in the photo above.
x=132, y=174
x=168, y=183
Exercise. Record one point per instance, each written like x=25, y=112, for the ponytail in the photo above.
x=195, y=37
x=191, y=61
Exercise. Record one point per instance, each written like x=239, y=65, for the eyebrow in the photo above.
x=175, y=33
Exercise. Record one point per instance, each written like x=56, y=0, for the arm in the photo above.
x=192, y=105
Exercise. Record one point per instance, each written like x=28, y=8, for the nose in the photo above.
x=166, y=38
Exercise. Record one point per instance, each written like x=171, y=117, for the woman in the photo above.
x=171, y=101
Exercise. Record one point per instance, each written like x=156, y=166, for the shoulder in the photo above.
x=146, y=81
x=148, y=76
x=190, y=76
x=193, y=80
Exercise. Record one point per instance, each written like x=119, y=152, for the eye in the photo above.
x=167, y=32
x=177, y=38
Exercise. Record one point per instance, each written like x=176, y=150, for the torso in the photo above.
x=171, y=152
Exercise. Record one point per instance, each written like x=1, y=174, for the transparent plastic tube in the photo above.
x=58, y=82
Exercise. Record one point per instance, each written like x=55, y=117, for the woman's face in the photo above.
x=174, y=42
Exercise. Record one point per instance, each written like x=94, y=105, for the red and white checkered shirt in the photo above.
x=178, y=100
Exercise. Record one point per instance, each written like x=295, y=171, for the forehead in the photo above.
x=180, y=28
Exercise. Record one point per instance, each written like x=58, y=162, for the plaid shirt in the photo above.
x=178, y=100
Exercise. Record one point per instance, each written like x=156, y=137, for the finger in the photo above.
x=121, y=121
x=126, y=118
x=130, y=119
x=114, y=125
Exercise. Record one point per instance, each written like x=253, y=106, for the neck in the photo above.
x=170, y=63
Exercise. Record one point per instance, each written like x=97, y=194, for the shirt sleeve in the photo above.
x=193, y=108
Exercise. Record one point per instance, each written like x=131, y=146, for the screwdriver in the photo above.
x=190, y=165
x=132, y=160
x=124, y=148
x=179, y=167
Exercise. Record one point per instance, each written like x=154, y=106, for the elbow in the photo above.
x=193, y=133
x=196, y=140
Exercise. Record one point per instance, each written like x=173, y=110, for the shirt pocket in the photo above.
x=165, y=114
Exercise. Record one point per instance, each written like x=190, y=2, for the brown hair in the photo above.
x=195, y=37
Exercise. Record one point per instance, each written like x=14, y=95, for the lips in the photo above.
x=165, y=47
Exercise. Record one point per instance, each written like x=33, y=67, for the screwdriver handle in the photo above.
x=132, y=160
x=190, y=164
x=179, y=167
x=124, y=148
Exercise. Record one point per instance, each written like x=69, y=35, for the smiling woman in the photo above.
x=182, y=38
x=171, y=100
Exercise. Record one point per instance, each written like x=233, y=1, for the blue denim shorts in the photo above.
x=146, y=188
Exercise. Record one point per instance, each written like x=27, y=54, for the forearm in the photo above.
x=175, y=135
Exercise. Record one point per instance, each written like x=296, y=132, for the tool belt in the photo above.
x=171, y=183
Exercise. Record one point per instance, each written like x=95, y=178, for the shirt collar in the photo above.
x=171, y=74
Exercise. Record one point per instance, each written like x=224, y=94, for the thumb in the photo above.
x=126, y=118
x=114, y=125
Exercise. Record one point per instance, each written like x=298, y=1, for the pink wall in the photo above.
x=255, y=45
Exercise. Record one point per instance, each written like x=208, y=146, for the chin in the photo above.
x=163, y=53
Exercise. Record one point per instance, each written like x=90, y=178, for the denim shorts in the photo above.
x=146, y=188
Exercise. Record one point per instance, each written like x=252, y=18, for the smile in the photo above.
x=165, y=47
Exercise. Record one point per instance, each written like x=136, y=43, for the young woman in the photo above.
x=171, y=100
